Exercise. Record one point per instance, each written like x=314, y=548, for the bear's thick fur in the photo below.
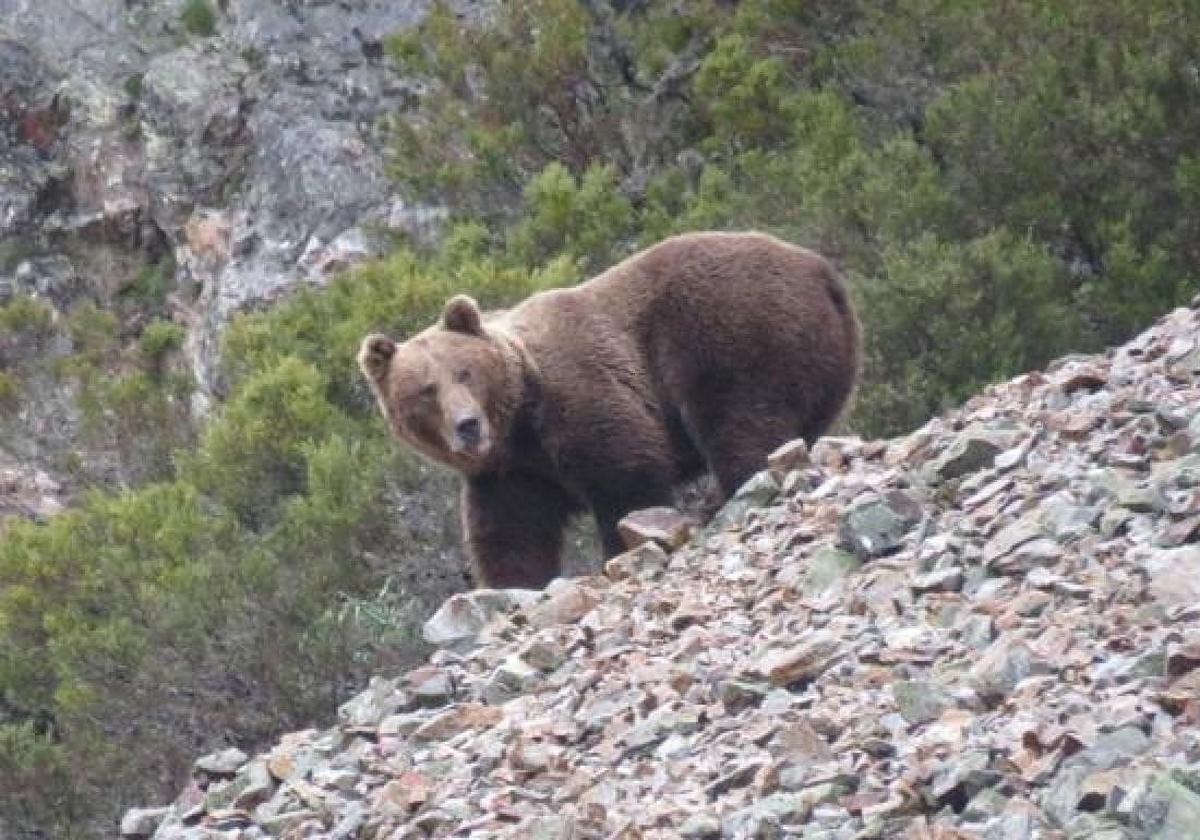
x=704, y=352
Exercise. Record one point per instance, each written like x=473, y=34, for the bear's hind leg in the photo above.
x=736, y=442
x=513, y=529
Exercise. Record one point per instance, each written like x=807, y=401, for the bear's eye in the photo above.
x=463, y=377
x=427, y=391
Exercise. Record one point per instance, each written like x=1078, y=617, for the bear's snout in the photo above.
x=468, y=430
x=470, y=435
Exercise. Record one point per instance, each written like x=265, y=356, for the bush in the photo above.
x=35, y=778
x=93, y=332
x=998, y=309
x=133, y=401
x=133, y=86
x=159, y=339
x=252, y=454
x=152, y=282
x=584, y=221
x=102, y=616
x=198, y=18
x=10, y=392
x=27, y=316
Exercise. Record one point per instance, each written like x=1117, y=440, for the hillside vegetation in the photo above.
x=1000, y=182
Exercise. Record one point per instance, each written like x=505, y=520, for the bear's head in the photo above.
x=451, y=391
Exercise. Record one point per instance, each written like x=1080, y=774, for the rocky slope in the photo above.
x=188, y=167
x=988, y=629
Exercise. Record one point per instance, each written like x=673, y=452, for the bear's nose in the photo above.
x=467, y=430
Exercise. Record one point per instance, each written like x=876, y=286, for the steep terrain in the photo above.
x=186, y=160
x=986, y=629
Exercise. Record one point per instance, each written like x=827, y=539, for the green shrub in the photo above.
x=35, y=778
x=538, y=102
x=253, y=453
x=28, y=316
x=93, y=331
x=102, y=616
x=10, y=392
x=584, y=221
x=747, y=99
x=133, y=85
x=199, y=18
x=152, y=282
x=947, y=318
x=158, y=339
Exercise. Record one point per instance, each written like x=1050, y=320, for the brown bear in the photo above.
x=704, y=352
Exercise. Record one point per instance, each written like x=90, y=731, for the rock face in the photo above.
x=27, y=493
x=923, y=638
x=247, y=153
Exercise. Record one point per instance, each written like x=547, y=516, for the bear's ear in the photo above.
x=375, y=355
x=462, y=315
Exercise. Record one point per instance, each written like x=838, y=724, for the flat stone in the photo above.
x=791, y=456
x=258, y=788
x=402, y=725
x=458, y=719
x=380, y=699
x=428, y=686
x=759, y=491
x=827, y=565
x=1042, y=551
x=1114, y=521
x=1083, y=377
x=802, y=661
x=1004, y=664
x=1139, y=497
x=293, y=756
x=1167, y=810
x=1074, y=425
x=461, y=617
x=949, y=579
x=970, y=452
x=1183, y=358
x=512, y=678
x=142, y=822
x=285, y=823
x=1009, y=538
x=799, y=742
x=645, y=562
x=919, y=701
x=700, y=827
x=1065, y=522
x=543, y=654
x=741, y=694
x=224, y=763
x=876, y=526
x=663, y=525
x=1175, y=575
x=563, y=602
x=545, y=828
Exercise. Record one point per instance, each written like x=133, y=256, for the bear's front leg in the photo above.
x=513, y=529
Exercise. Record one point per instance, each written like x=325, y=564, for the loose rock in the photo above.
x=1008, y=651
